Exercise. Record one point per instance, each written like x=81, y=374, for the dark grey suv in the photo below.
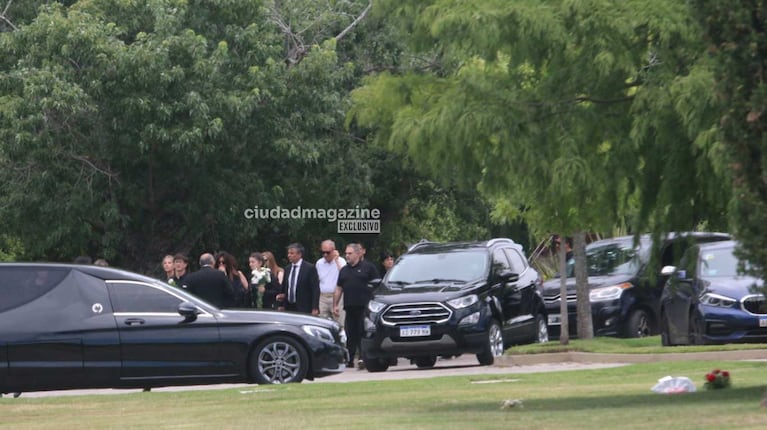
x=447, y=299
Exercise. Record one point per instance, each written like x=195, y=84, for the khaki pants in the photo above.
x=326, y=308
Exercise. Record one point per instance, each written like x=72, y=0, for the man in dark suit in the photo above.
x=210, y=284
x=301, y=284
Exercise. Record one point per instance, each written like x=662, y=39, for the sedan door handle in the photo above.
x=134, y=321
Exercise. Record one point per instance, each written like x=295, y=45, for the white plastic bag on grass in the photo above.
x=673, y=385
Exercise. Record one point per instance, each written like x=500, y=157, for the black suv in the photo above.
x=624, y=290
x=446, y=299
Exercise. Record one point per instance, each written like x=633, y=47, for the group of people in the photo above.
x=252, y=291
x=334, y=287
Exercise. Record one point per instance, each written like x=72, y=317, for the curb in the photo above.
x=590, y=357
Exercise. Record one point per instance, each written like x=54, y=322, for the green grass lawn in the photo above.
x=613, y=345
x=614, y=398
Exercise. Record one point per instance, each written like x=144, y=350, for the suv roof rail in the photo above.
x=418, y=244
x=492, y=242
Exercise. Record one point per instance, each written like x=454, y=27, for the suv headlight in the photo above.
x=319, y=332
x=605, y=294
x=375, y=307
x=712, y=299
x=463, y=302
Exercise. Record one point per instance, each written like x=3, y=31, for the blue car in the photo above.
x=708, y=301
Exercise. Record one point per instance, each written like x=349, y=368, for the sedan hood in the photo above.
x=551, y=287
x=278, y=317
x=736, y=287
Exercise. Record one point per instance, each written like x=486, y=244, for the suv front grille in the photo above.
x=416, y=313
x=755, y=304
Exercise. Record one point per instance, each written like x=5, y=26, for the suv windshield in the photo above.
x=456, y=266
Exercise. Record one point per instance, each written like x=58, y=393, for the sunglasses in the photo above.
x=326, y=252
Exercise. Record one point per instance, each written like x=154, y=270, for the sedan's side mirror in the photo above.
x=189, y=311
x=509, y=276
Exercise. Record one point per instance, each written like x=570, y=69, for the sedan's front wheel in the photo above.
x=279, y=360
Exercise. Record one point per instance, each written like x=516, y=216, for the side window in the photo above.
x=518, y=264
x=21, y=285
x=132, y=297
x=500, y=263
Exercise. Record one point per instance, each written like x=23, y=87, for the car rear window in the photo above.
x=21, y=285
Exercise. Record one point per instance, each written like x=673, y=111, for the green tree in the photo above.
x=129, y=130
x=737, y=41
x=132, y=129
x=575, y=115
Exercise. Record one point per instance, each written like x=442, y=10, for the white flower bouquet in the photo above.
x=261, y=276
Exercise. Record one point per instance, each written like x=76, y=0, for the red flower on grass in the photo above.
x=717, y=379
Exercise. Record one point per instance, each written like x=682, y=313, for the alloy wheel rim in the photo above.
x=279, y=362
x=543, y=332
x=496, y=341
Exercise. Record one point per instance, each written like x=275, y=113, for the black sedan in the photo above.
x=68, y=326
x=707, y=301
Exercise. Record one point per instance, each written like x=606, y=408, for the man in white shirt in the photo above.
x=328, y=268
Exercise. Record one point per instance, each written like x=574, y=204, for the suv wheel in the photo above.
x=375, y=365
x=543, y=329
x=425, y=362
x=638, y=324
x=494, y=346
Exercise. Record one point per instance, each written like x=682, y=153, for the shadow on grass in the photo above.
x=732, y=395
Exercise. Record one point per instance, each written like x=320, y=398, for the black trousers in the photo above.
x=355, y=325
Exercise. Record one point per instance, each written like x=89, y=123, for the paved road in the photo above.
x=463, y=365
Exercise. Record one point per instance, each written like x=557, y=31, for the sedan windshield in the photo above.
x=462, y=266
x=718, y=262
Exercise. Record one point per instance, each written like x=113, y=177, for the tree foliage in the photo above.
x=133, y=129
x=577, y=115
x=736, y=33
x=589, y=101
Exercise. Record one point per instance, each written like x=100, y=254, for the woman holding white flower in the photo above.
x=260, y=276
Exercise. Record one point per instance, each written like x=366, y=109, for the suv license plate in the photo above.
x=762, y=322
x=414, y=330
x=555, y=319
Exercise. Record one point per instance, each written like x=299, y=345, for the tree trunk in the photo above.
x=583, y=304
x=564, y=327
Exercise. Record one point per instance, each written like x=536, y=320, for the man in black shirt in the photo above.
x=353, y=282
